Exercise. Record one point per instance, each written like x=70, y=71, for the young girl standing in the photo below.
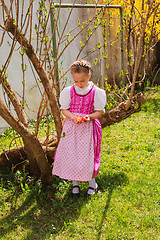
x=78, y=154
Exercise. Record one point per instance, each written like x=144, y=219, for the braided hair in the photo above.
x=80, y=66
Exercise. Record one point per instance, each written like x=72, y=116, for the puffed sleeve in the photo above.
x=65, y=98
x=99, y=99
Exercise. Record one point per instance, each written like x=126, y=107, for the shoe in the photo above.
x=91, y=194
x=77, y=195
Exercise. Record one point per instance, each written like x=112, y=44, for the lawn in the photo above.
x=127, y=205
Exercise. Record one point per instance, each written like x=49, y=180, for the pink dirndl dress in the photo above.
x=78, y=153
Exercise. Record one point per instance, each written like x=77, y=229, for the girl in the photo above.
x=78, y=154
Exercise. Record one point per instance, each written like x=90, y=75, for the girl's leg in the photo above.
x=75, y=189
x=93, y=186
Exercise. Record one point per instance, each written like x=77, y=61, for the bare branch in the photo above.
x=47, y=50
x=22, y=12
x=11, y=27
x=76, y=35
x=31, y=9
x=135, y=8
x=2, y=26
x=66, y=22
x=5, y=8
x=138, y=54
x=17, y=10
x=9, y=55
x=14, y=99
x=155, y=77
x=3, y=34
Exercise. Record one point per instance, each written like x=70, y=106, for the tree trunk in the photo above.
x=33, y=166
x=32, y=144
x=12, y=156
x=14, y=99
x=119, y=113
x=17, y=155
x=22, y=118
x=12, y=28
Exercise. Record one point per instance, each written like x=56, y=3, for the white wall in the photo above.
x=32, y=94
x=72, y=51
x=70, y=55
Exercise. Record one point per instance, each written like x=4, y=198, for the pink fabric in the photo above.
x=78, y=153
x=97, y=136
x=82, y=103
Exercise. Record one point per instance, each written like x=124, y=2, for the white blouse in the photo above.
x=99, y=97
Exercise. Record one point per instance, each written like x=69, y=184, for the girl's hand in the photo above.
x=85, y=119
x=79, y=120
x=73, y=118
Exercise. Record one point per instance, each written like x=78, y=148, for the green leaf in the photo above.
x=130, y=53
x=99, y=46
x=89, y=31
x=105, y=78
x=36, y=27
x=121, y=74
x=24, y=81
x=147, y=39
x=68, y=37
x=95, y=61
x=64, y=134
x=111, y=23
x=14, y=22
x=107, y=85
x=29, y=11
x=105, y=55
x=107, y=65
x=81, y=43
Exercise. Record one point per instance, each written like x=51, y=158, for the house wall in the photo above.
x=32, y=93
x=71, y=53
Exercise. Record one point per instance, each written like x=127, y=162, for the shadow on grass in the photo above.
x=39, y=214
x=36, y=214
x=111, y=182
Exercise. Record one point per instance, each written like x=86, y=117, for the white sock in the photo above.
x=93, y=184
x=75, y=190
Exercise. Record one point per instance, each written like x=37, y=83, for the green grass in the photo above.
x=127, y=205
x=10, y=138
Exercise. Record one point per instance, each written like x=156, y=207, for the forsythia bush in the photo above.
x=135, y=14
x=137, y=10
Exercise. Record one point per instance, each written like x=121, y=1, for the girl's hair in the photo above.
x=81, y=66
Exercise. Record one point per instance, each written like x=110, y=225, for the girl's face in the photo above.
x=81, y=79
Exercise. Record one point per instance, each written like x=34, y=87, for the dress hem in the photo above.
x=80, y=180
